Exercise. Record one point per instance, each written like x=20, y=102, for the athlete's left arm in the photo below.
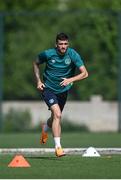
x=82, y=75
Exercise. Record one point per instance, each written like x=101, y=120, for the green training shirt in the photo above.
x=59, y=67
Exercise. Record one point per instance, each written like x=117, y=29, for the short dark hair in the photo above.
x=61, y=36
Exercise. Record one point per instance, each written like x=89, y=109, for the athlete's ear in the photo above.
x=56, y=45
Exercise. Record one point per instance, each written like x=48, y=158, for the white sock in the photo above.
x=46, y=127
x=57, y=142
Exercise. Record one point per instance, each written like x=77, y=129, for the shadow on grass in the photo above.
x=45, y=157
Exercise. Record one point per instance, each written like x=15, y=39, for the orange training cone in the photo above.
x=19, y=161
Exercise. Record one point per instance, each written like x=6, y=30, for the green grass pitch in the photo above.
x=47, y=166
x=74, y=166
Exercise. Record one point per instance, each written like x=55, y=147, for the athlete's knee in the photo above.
x=56, y=112
x=57, y=115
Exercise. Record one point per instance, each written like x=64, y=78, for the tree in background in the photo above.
x=93, y=33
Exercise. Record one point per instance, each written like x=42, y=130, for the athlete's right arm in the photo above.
x=40, y=84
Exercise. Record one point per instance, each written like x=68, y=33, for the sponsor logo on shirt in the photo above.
x=53, y=60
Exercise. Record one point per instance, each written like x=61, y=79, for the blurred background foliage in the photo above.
x=17, y=121
x=21, y=121
x=30, y=26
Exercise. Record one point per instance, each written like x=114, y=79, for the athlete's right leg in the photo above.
x=44, y=134
x=49, y=121
x=45, y=127
x=47, y=95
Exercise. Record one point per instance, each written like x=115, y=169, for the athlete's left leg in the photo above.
x=56, y=129
x=61, y=101
x=54, y=121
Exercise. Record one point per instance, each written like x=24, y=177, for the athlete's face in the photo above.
x=62, y=46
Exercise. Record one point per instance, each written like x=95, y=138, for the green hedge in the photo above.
x=16, y=121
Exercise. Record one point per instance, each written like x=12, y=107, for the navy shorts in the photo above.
x=51, y=98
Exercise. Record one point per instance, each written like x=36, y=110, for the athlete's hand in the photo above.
x=66, y=81
x=40, y=86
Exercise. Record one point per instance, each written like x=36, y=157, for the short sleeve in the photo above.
x=77, y=60
x=41, y=58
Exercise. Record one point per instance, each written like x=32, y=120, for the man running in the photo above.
x=58, y=77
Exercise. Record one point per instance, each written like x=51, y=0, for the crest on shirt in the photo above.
x=67, y=61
